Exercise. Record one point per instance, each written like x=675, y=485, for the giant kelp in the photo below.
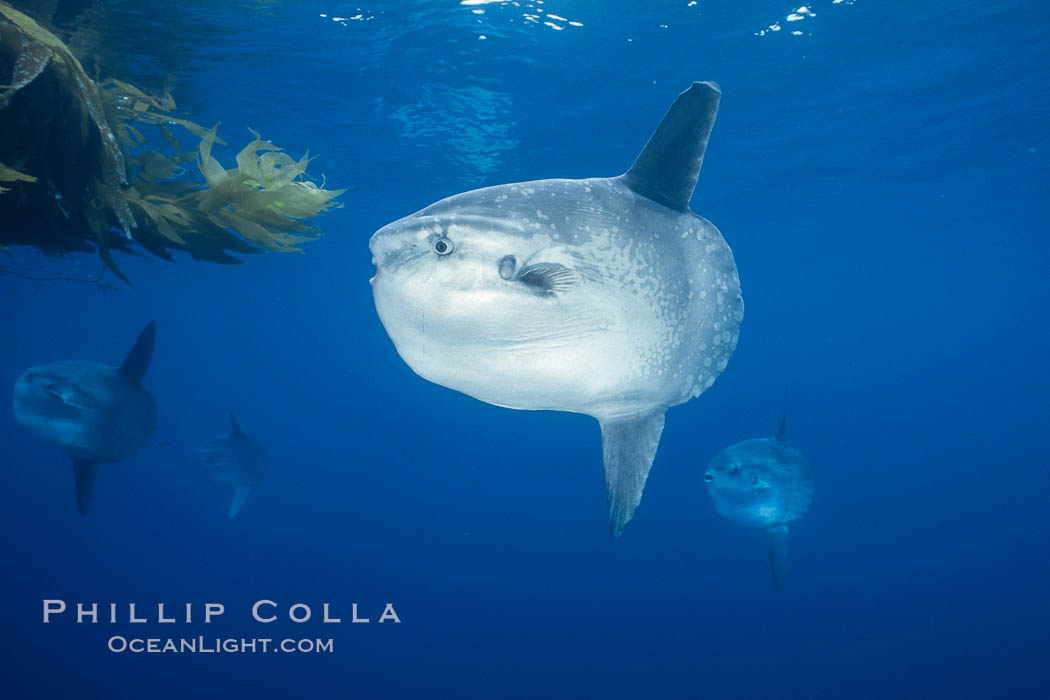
x=89, y=164
x=11, y=175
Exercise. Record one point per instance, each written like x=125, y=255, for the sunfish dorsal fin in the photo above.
x=137, y=362
x=86, y=474
x=235, y=427
x=667, y=168
x=782, y=431
x=628, y=448
x=240, y=495
x=778, y=553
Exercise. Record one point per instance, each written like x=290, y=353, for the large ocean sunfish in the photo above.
x=764, y=483
x=603, y=296
x=93, y=412
x=236, y=460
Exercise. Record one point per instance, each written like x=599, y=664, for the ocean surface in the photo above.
x=881, y=171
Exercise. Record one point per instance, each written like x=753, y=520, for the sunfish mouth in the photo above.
x=709, y=477
x=375, y=277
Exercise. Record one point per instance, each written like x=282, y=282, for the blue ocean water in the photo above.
x=882, y=173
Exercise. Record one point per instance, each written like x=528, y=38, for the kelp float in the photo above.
x=77, y=172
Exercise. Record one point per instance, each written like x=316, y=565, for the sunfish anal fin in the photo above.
x=86, y=474
x=778, y=553
x=667, y=169
x=628, y=448
x=136, y=364
x=240, y=495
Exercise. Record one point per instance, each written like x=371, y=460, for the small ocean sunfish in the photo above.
x=236, y=460
x=93, y=412
x=763, y=483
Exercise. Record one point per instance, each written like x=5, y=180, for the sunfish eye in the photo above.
x=736, y=470
x=443, y=246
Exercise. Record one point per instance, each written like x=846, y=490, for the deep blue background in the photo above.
x=883, y=181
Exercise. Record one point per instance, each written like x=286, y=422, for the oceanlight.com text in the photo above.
x=217, y=645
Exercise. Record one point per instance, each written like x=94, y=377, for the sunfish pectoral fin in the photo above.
x=137, y=362
x=86, y=474
x=548, y=278
x=240, y=495
x=778, y=553
x=667, y=169
x=628, y=448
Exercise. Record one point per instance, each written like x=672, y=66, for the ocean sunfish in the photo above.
x=763, y=483
x=602, y=296
x=93, y=412
x=235, y=460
